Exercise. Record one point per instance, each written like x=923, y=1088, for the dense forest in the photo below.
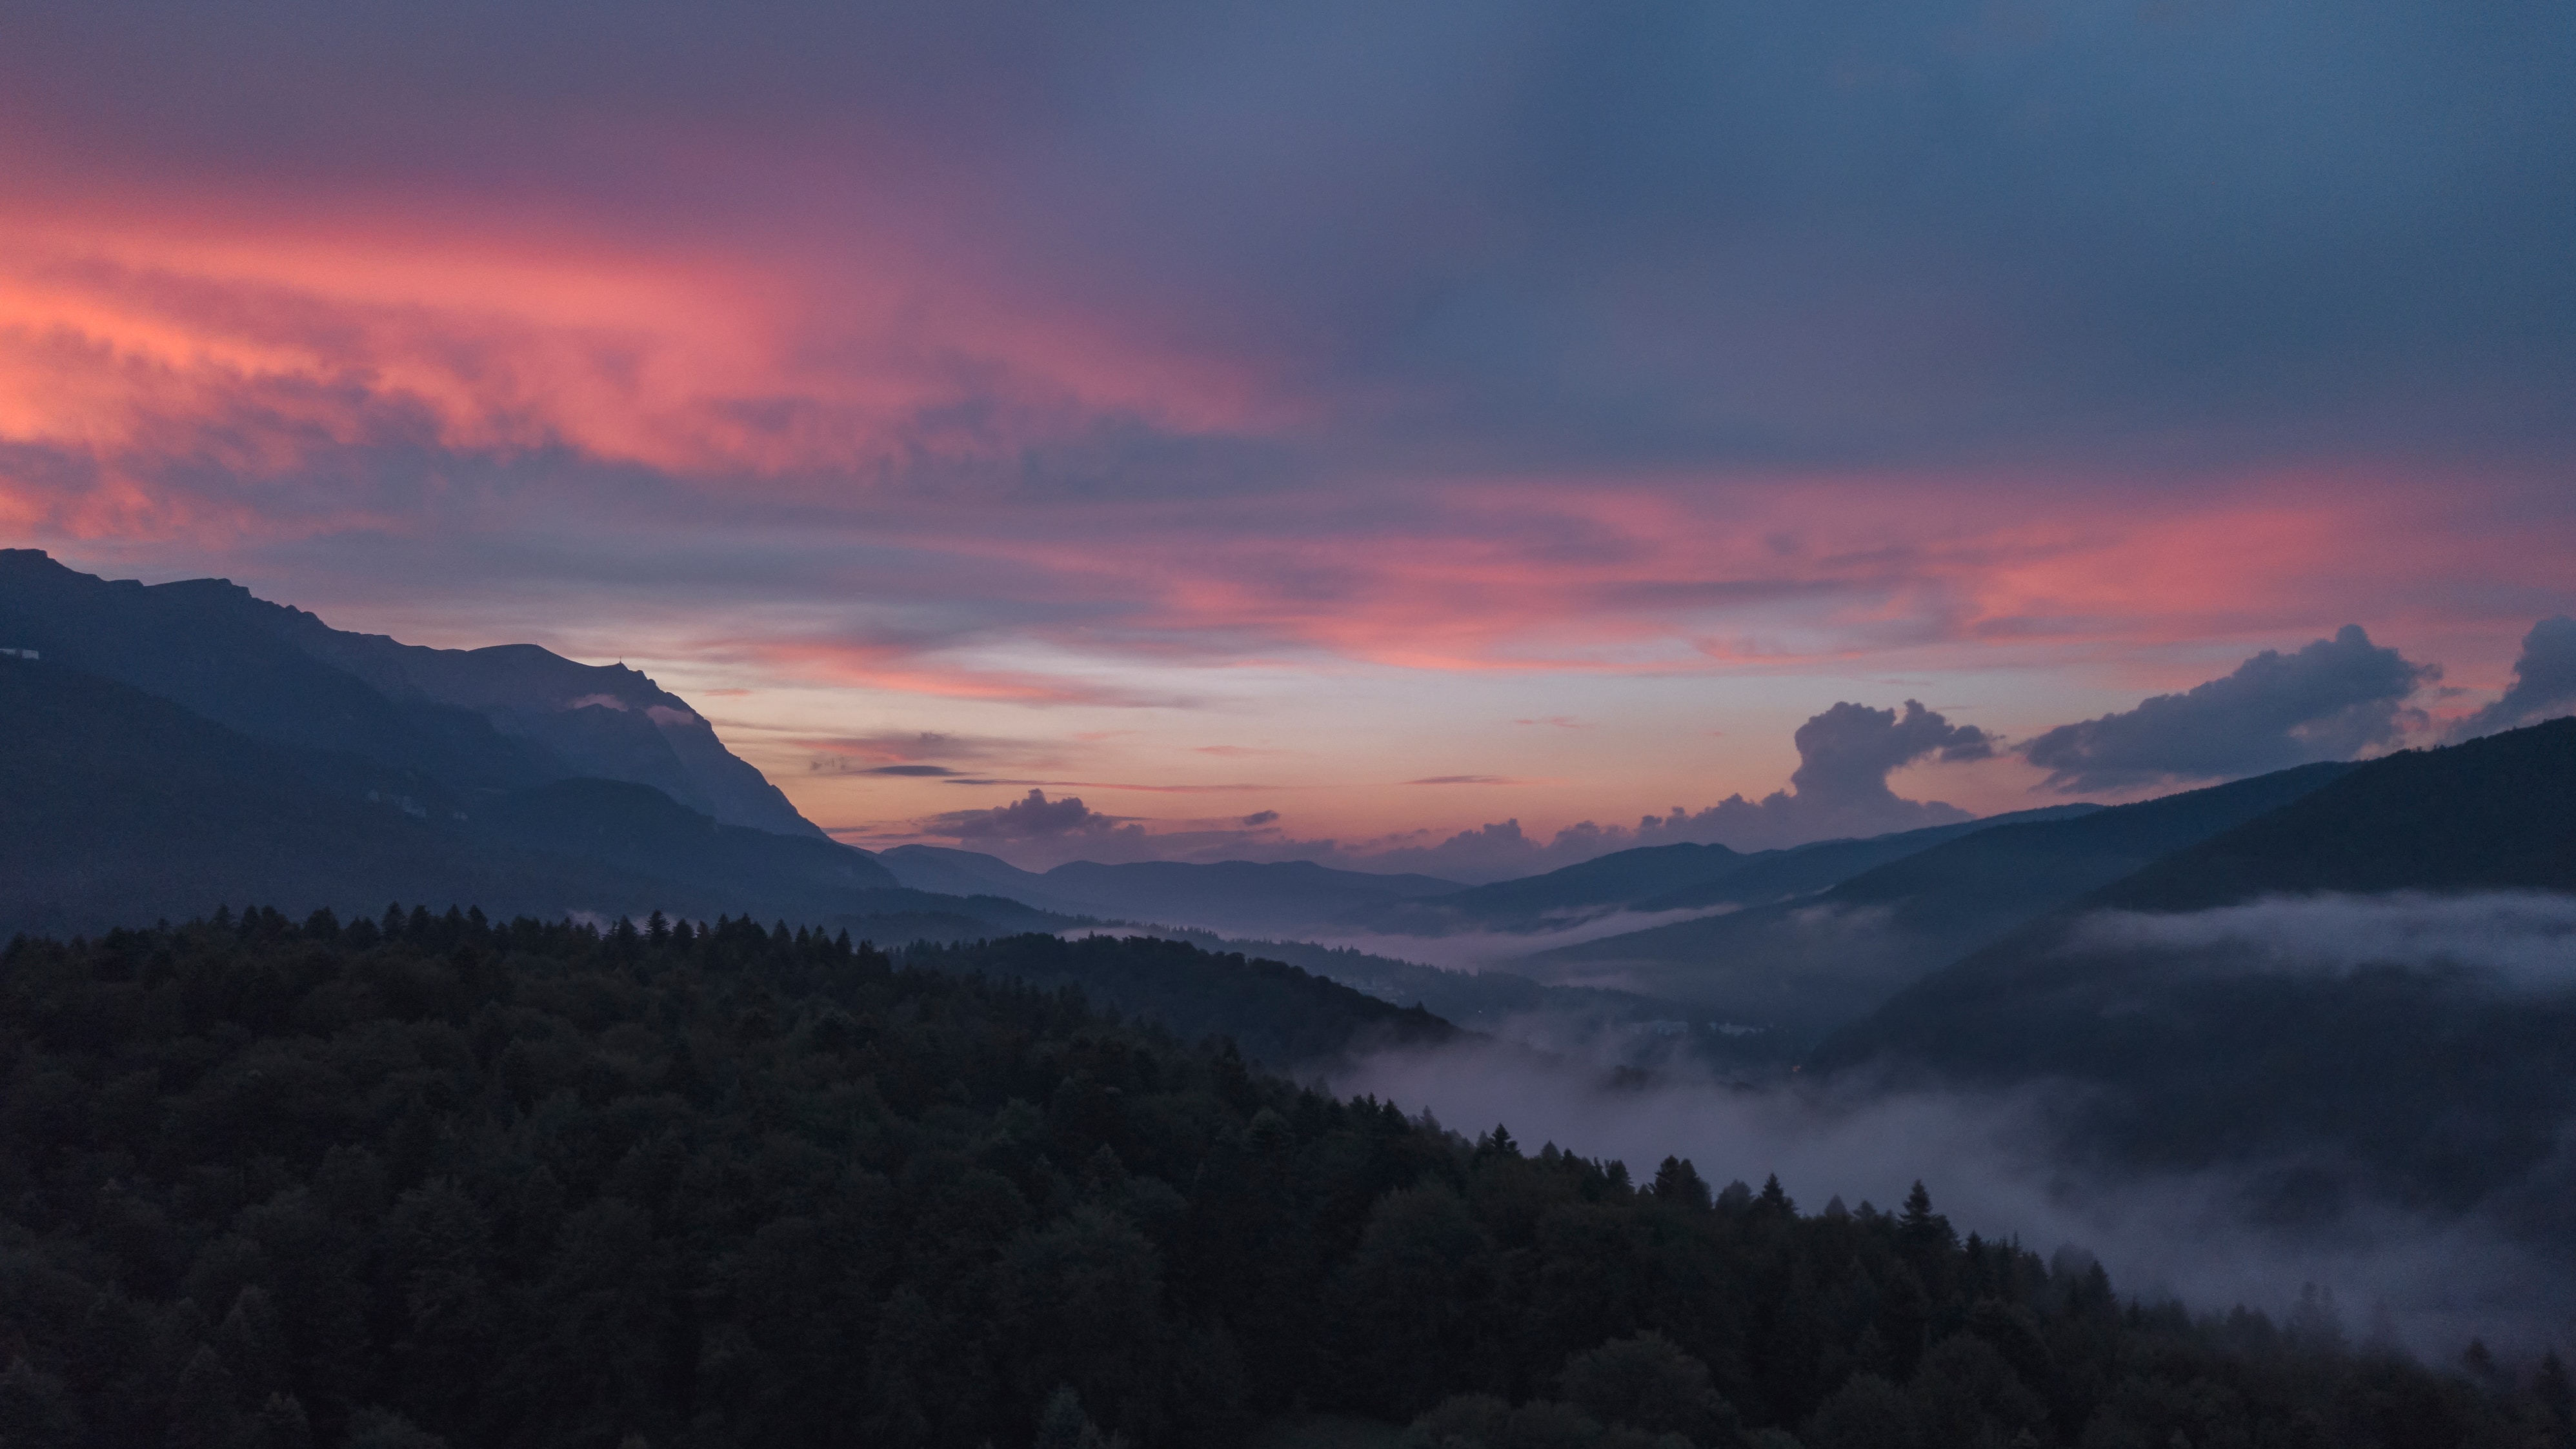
x=432, y=1179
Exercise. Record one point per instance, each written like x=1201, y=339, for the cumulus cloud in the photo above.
x=1840, y=786
x=1839, y=789
x=2544, y=683
x=2329, y=701
x=1035, y=818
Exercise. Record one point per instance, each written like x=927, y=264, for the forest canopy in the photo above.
x=433, y=1180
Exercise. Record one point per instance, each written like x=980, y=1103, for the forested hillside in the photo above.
x=1813, y=964
x=2376, y=981
x=432, y=1180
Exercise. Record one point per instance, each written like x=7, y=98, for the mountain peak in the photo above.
x=502, y=717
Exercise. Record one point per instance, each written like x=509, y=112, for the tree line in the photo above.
x=433, y=1179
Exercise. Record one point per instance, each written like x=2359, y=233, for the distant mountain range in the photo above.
x=502, y=718
x=1660, y=878
x=118, y=807
x=2256, y=971
x=2372, y=984
x=1811, y=962
x=1234, y=896
x=183, y=746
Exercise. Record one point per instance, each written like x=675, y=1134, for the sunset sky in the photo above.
x=1321, y=429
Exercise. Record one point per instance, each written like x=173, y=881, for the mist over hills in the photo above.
x=2371, y=989
x=1659, y=878
x=2176, y=980
x=1813, y=962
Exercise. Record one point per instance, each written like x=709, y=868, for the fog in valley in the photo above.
x=1484, y=950
x=2002, y=1163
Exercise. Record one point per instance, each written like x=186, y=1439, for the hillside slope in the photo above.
x=480, y=719
x=118, y=807
x=2338, y=978
x=1814, y=963
x=1234, y=896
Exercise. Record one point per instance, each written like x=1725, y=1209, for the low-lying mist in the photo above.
x=1991, y=1166
x=2521, y=941
x=1481, y=950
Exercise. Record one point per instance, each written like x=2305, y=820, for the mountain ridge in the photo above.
x=504, y=717
x=1814, y=962
x=123, y=806
x=2381, y=1056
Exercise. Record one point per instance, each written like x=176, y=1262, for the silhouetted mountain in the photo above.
x=638, y=828
x=1813, y=963
x=1278, y=1014
x=1779, y=875
x=2494, y=814
x=1593, y=887
x=474, y=719
x=1231, y=895
x=117, y=807
x=1657, y=878
x=969, y=872
x=2215, y=1005
x=1235, y=896
x=1615, y=1028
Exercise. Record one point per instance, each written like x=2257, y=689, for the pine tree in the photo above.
x=1678, y=1183
x=281, y=1425
x=33, y=1407
x=1063, y=1425
x=252, y=1343
x=2554, y=1392
x=201, y=1411
x=1774, y=1198
x=1923, y=1231
x=2479, y=1363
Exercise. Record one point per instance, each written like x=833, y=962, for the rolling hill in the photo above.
x=2380, y=974
x=119, y=807
x=1238, y=897
x=1658, y=878
x=475, y=720
x=1815, y=962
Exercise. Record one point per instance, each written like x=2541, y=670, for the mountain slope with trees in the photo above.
x=1813, y=964
x=432, y=1181
x=2304, y=985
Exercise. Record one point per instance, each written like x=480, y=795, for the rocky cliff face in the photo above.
x=505, y=717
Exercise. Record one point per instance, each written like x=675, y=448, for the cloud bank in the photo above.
x=2331, y=700
x=940, y=364
x=1033, y=819
x=2544, y=683
x=1467, y=336
x=1839, y=789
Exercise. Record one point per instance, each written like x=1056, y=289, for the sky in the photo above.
x=1395, y=435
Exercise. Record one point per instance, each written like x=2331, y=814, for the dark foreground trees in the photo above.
x=433, y=1179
